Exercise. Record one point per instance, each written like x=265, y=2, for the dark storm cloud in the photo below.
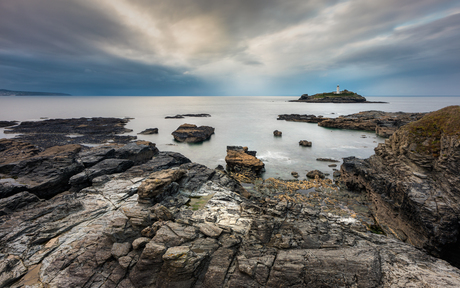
x=195, y=47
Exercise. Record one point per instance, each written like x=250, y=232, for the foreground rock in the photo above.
x=383, y=123
x=190, y=133
x=241, y=161
x=413, y=180
x=57, y=132
x=102, y=236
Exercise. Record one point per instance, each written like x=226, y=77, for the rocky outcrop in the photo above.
x=301, y=118
x=331, y=97
x=305, y=143
x=413, y=181
x=102, y=236
x=181, y=116
x=192, y=134
x=8, y=123
x=149, y=131
x=241, y=161
x=383, y=123
x=58, y=132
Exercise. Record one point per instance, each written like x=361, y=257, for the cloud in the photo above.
x=227, y=47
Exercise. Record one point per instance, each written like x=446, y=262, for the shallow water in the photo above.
x=243, y=121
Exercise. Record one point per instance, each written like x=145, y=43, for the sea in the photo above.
x=238, y=121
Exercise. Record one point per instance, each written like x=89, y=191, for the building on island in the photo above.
x=338, y=90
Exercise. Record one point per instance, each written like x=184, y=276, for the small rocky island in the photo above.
x=338, y=96
x=191, y=133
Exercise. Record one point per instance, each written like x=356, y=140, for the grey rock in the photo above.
x=210, y=230
x=140, y=243
x=120, y=249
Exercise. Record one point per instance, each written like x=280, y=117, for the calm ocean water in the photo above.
x=243, y=121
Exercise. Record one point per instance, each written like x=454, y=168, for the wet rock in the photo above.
x=327, y=160
x=55, y=132
x=181, y=116
x=295, y=174
x=149, y=131
x=383, y=123
x=93, y=156
x=239, y=160
x=305, y=143
x=192, y=134
x=315, y=173
x=277, y=133
x=301, y=118
x=139, y=152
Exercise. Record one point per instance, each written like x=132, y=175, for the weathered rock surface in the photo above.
x=192, y=134
x=305, y=143
x=241, y=161
x=413, y=181
x=383, y=123
x=149, y=131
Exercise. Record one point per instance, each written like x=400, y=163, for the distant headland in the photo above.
x=337, y=96
x=4, y=92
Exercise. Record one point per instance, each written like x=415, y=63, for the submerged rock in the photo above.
x=149, y=131
x=305, y=143
x=192, y=134
x=413, y=180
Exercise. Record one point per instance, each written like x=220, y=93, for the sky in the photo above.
x=230, y=47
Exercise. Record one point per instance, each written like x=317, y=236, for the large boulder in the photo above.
x=241, y=161
x=414, y=183
x=192, y=134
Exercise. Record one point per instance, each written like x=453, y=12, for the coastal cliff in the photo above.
x=413, y=181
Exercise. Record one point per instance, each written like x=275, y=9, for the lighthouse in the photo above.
x=338, y=90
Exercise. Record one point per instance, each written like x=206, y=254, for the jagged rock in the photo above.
x=239, y=160
x=149, y=131
x=11, y=269
x=16, y=202
x=139, y=152
x=315, y=173
x=277, y=133
x=140, y=243
x=162, y=213
x=105, y=167
x=155, y=184
x=422, y=210
x=192, y=134
x=305, y=143
x=44, y=174
x=93, y=156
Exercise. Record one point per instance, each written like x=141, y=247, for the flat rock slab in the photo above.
x=181, y=116
x=8, y=123
x=192, y=134
x=53, y=132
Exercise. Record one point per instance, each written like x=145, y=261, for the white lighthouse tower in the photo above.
x=338, y=90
